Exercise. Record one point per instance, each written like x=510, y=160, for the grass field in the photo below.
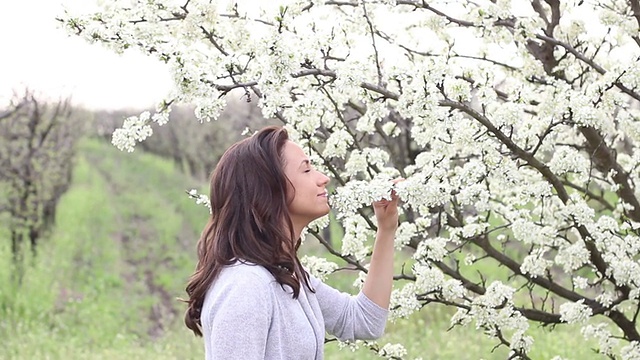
x=106, y=283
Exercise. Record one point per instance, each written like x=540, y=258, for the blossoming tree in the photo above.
x=515, y=124
x=37, y=143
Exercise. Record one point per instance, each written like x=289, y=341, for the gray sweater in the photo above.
x=247, y=315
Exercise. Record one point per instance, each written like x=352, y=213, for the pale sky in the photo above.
x=36, y=53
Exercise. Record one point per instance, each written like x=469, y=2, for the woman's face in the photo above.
x=310, y=199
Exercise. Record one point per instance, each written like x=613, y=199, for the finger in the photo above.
x=394, y=195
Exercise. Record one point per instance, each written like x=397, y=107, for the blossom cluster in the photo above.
x=392, y=351
x=135, y=128
x=318, y=267
x=201, y=199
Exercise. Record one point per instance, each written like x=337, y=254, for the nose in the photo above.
x=323, y=179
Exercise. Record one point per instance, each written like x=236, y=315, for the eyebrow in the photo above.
x=305, y=162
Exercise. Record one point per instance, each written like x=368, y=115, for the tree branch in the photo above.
x=424, y=5
x=605, y=160
x=332, y=251
x=589, y=62
x=209, y=35
x=599, y=198
x=373, y=42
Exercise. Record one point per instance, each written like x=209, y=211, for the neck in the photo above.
x=296, y=233
x=298, y=226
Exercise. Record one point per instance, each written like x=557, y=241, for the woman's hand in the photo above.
x=387, y=211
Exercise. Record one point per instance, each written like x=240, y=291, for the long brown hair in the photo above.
x=249, y=219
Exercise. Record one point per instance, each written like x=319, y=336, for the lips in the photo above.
x=324, y=194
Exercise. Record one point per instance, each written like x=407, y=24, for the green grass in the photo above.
x=119, y=256
x=106, y=282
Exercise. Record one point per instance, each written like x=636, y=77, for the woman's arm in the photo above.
x=364, y=316
x=349, y=317
x=379, y=280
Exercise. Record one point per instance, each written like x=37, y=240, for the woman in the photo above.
x=250, y=297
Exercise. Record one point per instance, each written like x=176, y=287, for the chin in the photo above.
x=320, y=214
x=326, y=211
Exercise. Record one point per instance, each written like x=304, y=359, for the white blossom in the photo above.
x=531, y=233
x=359, y=161
x=496, y=295
x=579, y=210
x=572, y=257
x=428, y=278
x=535, y=264
x=318, y=267
x=357, y=194
x=432, y=249
x=606, y=341
x=390, y=129
x=576, y=312
x=359, y=281
x=375, y=112
x=392, y=351
x=161, y=117
x=626, y=271
x=458, y=89
x=405, y=232
x=580, y=282
x=606, y=298
x=135, y=128
x=403, y=302
x=461, y=317
x=338, y=143
x=631, y=351
x=350, y=345
x=209, y=108
x=469, y=259
x=566, y=159
x=521, y=342
x=452, y=289
x=356, y=235
x=320, y=223
x=201, y=199
x=356, y=163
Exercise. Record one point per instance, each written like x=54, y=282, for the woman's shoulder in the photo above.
x=244, y=272
x=237, y=281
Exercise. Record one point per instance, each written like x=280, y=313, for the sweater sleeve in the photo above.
x=349, y=317
x=240, y=319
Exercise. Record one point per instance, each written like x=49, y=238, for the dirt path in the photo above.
x=143, y=257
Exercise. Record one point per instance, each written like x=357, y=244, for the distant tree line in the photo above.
x=37, y=145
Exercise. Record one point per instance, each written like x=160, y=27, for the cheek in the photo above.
x=292, y=193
